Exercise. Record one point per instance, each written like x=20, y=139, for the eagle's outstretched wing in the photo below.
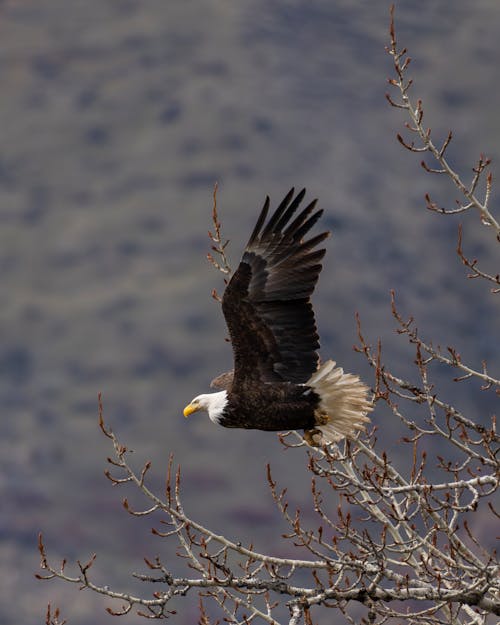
x=267, y=301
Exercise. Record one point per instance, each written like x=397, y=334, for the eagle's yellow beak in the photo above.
x=189, y=409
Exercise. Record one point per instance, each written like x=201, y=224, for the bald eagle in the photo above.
x=278, y=382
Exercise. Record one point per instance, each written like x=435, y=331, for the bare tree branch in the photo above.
x=425, y=144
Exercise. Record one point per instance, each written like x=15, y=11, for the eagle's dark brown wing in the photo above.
x=267, y=301
x=223, y=381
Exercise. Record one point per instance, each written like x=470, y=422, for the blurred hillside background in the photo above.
x=117, y=117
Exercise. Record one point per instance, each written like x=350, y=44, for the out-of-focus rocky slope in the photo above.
x=116, y=118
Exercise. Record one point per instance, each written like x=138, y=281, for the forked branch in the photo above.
x=425, y=144
x=357, y=566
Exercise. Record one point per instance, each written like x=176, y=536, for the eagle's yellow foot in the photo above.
x=313, y=437
x=322, y=418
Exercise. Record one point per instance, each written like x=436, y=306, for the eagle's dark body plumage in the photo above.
x=272, y=407
x=278, y=383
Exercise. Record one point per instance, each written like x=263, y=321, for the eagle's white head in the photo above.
x=213, y=403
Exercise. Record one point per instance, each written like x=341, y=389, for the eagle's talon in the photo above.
x=313, y=437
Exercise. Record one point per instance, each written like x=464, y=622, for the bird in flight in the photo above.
x=278, y=382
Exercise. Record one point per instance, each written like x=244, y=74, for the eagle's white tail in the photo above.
x=343, y=407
